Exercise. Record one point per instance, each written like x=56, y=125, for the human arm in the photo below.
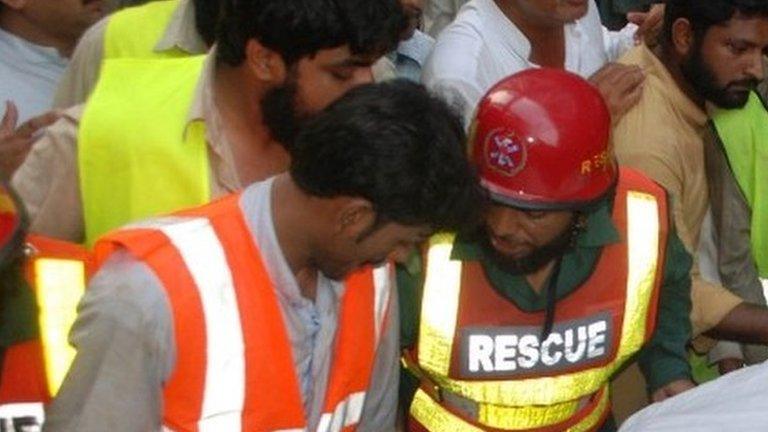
x=621, y=87
x=664, y=360
x=15, y=142
x=47, y=182
x=83, y=69
x=125, y=351
x=380, y=408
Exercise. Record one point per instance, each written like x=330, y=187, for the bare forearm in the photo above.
x=747, y=323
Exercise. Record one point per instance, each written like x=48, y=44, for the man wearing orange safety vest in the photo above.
x=41, y=281
x=271, y=310
x=520, y=325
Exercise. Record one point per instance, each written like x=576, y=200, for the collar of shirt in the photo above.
x=15, y=48
x=203, y=113
x=652, y=66
x=417, y=48
x=576, y=266
x=182, y=32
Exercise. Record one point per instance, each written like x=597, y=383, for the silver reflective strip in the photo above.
x=347, y=413
x=204, y=256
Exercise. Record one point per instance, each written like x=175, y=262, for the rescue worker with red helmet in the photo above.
x=577, y=269
x=41, y=281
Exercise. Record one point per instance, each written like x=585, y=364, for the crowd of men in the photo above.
x=383, y=215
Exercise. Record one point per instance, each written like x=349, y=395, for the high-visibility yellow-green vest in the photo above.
x=744, y=133
x=139, y=154
x=135, y=31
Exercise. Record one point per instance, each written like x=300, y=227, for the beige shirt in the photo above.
x=48, y=180
x=663, y=137
x=83, y=71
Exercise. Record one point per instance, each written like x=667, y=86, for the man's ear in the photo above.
x=15, y=4
x=354, y=217
x=682, y=37
x=264, y=63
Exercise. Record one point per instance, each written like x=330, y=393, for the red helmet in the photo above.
x=540, y=141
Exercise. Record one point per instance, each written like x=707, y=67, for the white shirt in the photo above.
x=482, y=46
x=29, y=75
x=734, y=402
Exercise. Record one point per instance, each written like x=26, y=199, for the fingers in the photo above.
x=10, y=118
x=649, y=24
x=621, y=87
x=637, y=18
x=12, y=154
x=31, y=126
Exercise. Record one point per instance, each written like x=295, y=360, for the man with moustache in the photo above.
x=520, y=326
x=201, y=126
x=710, y=52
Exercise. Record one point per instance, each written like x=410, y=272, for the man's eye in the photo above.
x=736, y=48
x=341, y=76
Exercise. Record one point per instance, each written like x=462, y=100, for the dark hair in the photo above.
x=207, y=13
x=395, y=145
x=703, y=14
x=300, y=28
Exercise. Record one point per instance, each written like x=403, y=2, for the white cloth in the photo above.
x=482, y=46
x=29, y=75
x=735, y=402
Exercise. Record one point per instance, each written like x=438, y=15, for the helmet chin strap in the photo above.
x=551, y=293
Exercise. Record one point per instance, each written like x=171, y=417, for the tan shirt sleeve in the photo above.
x=48, y=182
x=82, y=73
x=710, y=302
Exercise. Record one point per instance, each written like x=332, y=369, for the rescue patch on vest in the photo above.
x=508, y=351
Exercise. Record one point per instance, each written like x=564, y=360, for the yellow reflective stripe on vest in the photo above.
x=135, y=31
x=526, y=417
x=60, y=284
x=436, y=419
x=440, y=306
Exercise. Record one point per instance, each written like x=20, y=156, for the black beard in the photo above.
x=702, y=79
x=535, y=260
x=281, y=114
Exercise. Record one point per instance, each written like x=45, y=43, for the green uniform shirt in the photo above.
x=18, y=308
x=662, y=360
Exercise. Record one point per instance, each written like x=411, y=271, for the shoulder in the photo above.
x=457, y=51
x=126, y=292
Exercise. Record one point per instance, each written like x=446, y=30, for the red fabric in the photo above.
x=23, y=376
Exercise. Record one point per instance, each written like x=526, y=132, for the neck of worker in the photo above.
x=673, y=63
x=17, y=24
x=255, y=153
x=546, y=37
x=296, y=233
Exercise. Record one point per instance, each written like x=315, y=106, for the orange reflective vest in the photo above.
x=487, y=359
x=234, y=368
x=33, y=370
